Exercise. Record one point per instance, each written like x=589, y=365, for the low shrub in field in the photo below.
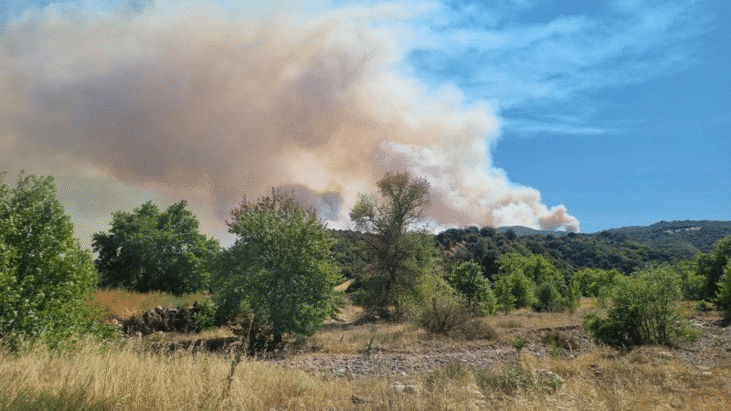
x=643, y=310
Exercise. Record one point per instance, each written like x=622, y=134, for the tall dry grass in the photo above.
x=99, y=377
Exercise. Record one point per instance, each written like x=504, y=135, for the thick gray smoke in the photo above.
x=176, y=101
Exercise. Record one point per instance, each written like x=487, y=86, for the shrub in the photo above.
x=723, y=297
x=467, y=278
x=643, y=310
x=280, y=267
x=435, y=306
x=46, y=278
x=205, y=316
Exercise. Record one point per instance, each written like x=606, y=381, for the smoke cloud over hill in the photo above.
x=176, y=101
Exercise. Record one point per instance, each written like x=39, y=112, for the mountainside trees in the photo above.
x=148, y=250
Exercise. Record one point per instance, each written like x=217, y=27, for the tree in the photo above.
x=147, y=250
x=404, y=202
x=712, y=265
x=45, y=275
x=467, y=279
x=280, y=268
x=533, y=282
x=723, y=297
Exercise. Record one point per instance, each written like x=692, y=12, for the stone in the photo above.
x=665, y=354
x=359, y=400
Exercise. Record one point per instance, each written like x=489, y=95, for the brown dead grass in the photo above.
x=130, y=380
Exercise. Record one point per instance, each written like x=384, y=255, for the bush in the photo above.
x=643, y=310
x=723, y=297
x=435, y=306
x=205, y=316
x=280, y=267
x=467, y=278
x=46, y=278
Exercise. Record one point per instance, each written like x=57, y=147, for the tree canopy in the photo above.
x=404, y=202
x=45, y=275
x=148, y=250
x=280, y=268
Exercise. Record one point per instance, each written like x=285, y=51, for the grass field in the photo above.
x=124, y=376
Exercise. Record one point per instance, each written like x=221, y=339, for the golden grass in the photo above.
x=120, y=302
x=125, y=379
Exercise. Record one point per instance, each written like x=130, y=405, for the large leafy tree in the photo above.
x=280, y=268
x=397, y=253
x=45, y=275
x=148, y=250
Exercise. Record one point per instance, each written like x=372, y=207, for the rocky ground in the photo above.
x=711, y=348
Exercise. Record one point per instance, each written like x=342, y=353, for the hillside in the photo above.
x=623, y=248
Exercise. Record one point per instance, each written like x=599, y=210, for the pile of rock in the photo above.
x=165, y=319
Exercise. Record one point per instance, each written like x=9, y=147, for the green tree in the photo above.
x=513, y=288
x=396, y=253
x=147, y=250
x=280, y=268
x=643, y=310
x=595, y=282
x=712, y=265
x=723, y=296
x=45, y=276
x=467, y=278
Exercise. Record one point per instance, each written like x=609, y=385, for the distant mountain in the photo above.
x=682, y=238
x=625, y=248
x=527, y=231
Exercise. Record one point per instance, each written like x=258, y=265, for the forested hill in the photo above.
x=621, y=248
x=682, y=238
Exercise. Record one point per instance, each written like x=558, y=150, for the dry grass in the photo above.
x=119, y=302
x=347, y=339
x=122, y=378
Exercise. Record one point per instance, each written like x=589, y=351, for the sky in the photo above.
x=556, y=115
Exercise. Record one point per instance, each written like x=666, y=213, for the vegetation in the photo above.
x=146, y=250
x=45, y=275
x=723, y=297
x=280, y=268
x=712, y=265
x=467, y=279
x=398, y=257
x=532, y=281
x=643, y=310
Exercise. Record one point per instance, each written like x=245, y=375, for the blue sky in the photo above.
x=617, y=110
x=620, y=111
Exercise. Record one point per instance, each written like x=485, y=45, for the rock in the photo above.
x=397, y=386
x=359, y=400
x=703, y=367
x=665, y=354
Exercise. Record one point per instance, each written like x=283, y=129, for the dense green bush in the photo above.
x=280, y=267
x=595, y=282
x=467, y=278
x=45, y=276
x=147, y=250
x=643, y=310
x=533, y=281
x=723, y=297
x=435, y=305
x=711, y=266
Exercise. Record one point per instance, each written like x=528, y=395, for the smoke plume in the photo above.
x=177, y=101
